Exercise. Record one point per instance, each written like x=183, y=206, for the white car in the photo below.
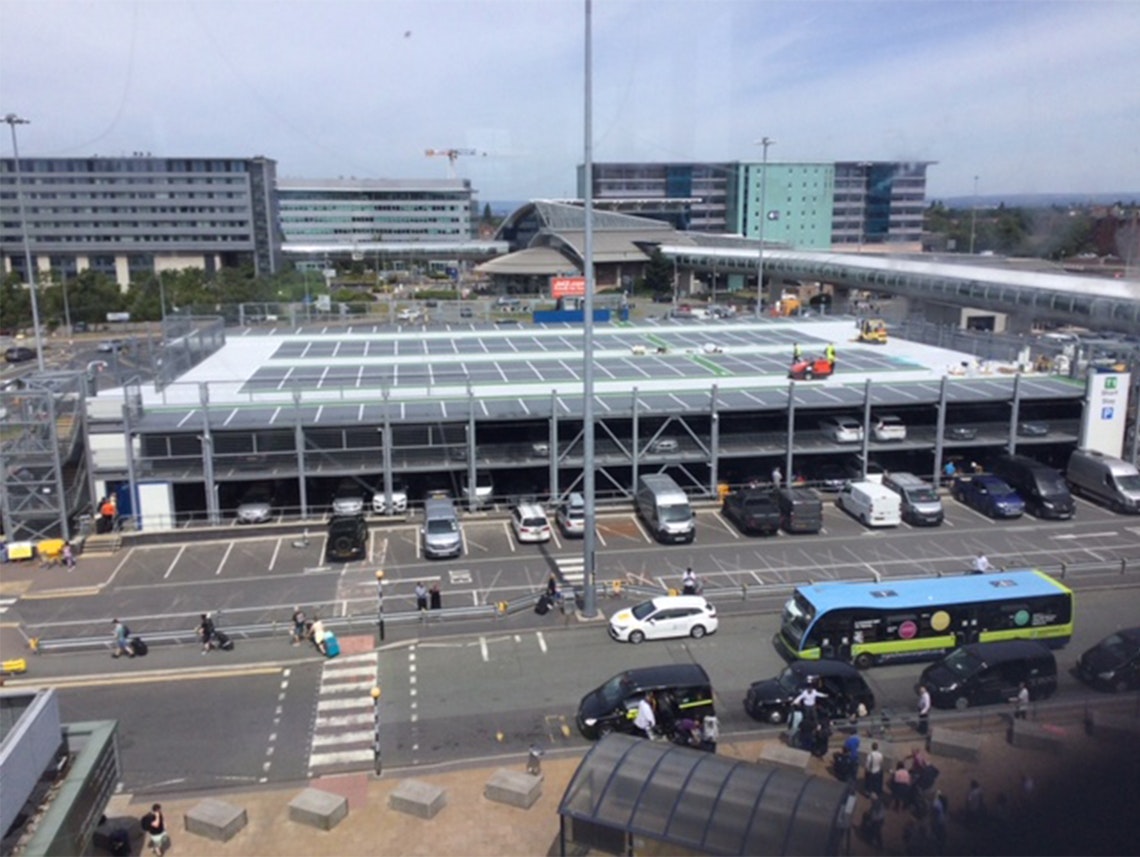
x=842, y=429
x=409, y=314
x=399, y=501
x=530, y=523
x=889, y=427
x=666, y=616
x=571, y=516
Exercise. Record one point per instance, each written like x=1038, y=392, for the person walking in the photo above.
x=1021, y=702
x=154, y=825
x=317, y=632
x=981, y=564
x=122, y=640
x=206, y=632
x=923, y=710
x=298, y=632
x=68, y=556
x=795, y=723
x=777, y=477
x=807, y=698
x=900, y=787
x=421, y=597
x=873, y=820
x=689, y=583
x=829, y=353
x=797, y=353
x=436, y=596
x=873, y=770
x=646, y=720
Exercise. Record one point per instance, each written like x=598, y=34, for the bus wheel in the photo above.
x=961, y=703
x=863, y=661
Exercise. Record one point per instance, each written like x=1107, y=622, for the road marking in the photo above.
x=225, y=557
x=541, y=641
x=1073, y=536
x=276, y=550
x=174, y=562
x=572, y=570
x=345, y=712
x=344, y=704
x=5, y=603
x=343, y=757
x=483, y=649
x=107, y=680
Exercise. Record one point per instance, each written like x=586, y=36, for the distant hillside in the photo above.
x=1037, y=200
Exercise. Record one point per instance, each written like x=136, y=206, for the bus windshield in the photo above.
x=797, y=617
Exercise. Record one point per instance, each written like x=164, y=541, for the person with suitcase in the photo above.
x=206, y=632
x=332, y=645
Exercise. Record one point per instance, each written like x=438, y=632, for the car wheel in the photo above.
x=807, y=374
x=636, y=637
x=776, y=716
x=864, y=520
x=863, y=661
x=697, y=632
x=961, y=703
x=1121, y=686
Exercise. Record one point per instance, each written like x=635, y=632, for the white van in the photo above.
x=873, y=504
x=1112, y=481
x=665, y=508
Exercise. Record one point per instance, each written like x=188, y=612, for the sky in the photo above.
x=1006, y=97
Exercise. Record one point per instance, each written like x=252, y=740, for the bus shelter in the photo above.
x=631, y=796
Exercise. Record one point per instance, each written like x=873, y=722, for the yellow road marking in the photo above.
x=139, y=678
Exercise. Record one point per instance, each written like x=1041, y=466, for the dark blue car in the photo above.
x=988, y=495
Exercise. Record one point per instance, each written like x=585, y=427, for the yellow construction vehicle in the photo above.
x=873, y=331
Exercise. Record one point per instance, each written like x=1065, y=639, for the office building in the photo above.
x=129, y=217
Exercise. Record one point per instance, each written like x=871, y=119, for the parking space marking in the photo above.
x=510, y=542
x=174, y=562
x=273, y=558
x=731, y=530
x=225, y=556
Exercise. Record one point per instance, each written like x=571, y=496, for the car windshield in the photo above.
x=789, y=680
x=1121, y=646
x=924, y=495
x=1051, y=484
x=963, y=663
x=616, y=690
x=1128, y=483
x=644, y=609
x=441, y=526
x=676, y=514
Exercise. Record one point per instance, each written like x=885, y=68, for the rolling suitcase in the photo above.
x=223, y=640
x=332, y=645
x=139, y=647
x=543, y=605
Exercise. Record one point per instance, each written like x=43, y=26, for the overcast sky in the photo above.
x=1027, y=96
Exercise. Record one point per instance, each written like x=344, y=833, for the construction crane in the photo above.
x=451, y=155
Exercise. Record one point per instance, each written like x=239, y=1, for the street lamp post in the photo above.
x=13, y=120
x=765, y=142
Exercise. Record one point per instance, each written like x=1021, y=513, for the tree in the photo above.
x=658, y=276
x=15, y=303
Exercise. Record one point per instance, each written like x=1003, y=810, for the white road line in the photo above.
x=225, y=556
x=342, y=738
x=541, y=641
x=276, y=550
x=348, y=686
x=343, y=757
x=339, y=721
x=1073, y=536
x=345, y=704
x=174, y=562
x=483, y=648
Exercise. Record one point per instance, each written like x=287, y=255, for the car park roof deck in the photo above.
x=344, y=376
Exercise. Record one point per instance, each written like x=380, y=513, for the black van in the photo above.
x=801, y=510
x=988, y=673
x=613, y=706
x=348, y=538
x=1043, y=489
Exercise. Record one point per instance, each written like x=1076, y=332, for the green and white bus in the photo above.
x=912, y=619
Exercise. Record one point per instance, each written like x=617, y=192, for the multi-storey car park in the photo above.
x=435, y=408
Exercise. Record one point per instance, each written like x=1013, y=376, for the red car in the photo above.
x=809, y=368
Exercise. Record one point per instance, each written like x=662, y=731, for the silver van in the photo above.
x=665, y=508
x=920, y=502
x=441, y=534
x=1101, y=477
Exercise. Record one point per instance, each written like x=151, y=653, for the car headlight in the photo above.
x=591, y=721
x=1107, y=676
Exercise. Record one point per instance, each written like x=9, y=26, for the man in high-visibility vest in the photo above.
x=829, y=352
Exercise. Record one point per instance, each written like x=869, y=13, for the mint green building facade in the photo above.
x=798, y=200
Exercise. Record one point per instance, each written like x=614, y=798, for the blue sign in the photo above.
x=1106, y=413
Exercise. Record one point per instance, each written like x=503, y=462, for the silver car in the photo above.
x=348, y=499
x=256, y=506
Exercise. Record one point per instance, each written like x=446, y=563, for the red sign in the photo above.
x=567, y=287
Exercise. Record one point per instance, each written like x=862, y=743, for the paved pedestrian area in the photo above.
x=1036, y=802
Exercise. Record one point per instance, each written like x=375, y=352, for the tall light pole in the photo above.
x=974, y=217
x=765, y=142
x=589, y=599
x=13, y=120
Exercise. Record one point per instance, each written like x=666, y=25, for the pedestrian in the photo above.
x=873, y=820
x=797, y=353
x=829, y=353
x=68, y=556
x=938, y=822
x=949, y=470
x=1021, y=702
x=646, y=719
x=122, y=640
x=777, y=477
x=689, y=583
x=923, y=710
x=298, y=632
x=421, y=597
x=317, y=633
x=154, y=825
x=795, y=722
x=206, y=632
x=552, y=588
x=436, y=596
x=710, y=732
x=975, y=803
x=808, y=698
x=873, y=777
x=900, y=787
x=981, y=564
x=106, y=515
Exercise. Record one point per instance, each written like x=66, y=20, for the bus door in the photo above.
x=967, y=630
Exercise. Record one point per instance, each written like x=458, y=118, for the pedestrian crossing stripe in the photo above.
x=571, y=569
x=5, y=603
x=343, y=731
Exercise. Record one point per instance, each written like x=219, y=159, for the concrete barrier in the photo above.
x=319, y=809
x=215, y=819
x=417, y=798
x=1035, y=736
x=1119, y=728
x=513, y=788
x=966, y=746
x=788, y=757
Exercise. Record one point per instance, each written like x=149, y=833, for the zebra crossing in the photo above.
x=571, y=569
x=5, y=603
x=343, y=731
